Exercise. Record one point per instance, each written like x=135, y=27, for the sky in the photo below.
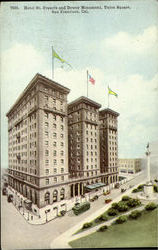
x=117, y=46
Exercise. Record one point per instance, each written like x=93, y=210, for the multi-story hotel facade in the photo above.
x=56, y=150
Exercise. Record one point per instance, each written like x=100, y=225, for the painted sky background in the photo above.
x=118, y=47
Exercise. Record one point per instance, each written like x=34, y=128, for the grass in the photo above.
x=134, y=233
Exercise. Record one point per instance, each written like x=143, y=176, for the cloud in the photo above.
x=124, y=42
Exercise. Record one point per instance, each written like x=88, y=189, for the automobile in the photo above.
x=123, y=190
x=10, y=198
x=108, y=200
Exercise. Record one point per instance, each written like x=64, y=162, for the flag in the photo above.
x=91, y=79
x=112, y=92
x=59, y=58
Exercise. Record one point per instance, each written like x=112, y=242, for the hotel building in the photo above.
x=56, y=149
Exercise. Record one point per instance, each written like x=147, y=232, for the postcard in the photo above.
x=79, y=134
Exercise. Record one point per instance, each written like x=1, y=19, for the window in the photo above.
x=62, y=119
x=62, y=127
x=62, y=192
x=54, y=152
x=47, y=162
x=55, y=170
x=46, y=143
x=47, y=198
x=54, y=117
x=55, y=179
x=47, y=171
x=62, y=170
x=62, y=144
x=54, y=135
x=46, y=124
x=47, y=181
x=62, y=178
x=62, y=161
x=54, y=143
x=55, y=195
x=62, y=153
x=55, y=162
x=46, y=115
x=46, y=152
x=62, y=136
x=46, y=133
x=54, y=125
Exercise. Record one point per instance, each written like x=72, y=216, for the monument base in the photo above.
x=148, y=193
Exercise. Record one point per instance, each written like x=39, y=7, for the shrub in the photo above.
x=140, y=187
x=135, y=190
x=82, y=207
x=135, y=214
x=103, y=228
x=87, y=225
x=102, y=217
x=122, y=206
x=112, y=212
x=114, y=205
x=133, y=202
x=150, y=206
x=155, y=188
x=121, y=219
x=126, y=198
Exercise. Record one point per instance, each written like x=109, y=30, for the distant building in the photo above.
x=129, y=166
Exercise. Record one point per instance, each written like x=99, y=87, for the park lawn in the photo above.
x=133, y=233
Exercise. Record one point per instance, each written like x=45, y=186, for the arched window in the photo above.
x=62, y=194
x=55, y=195
x=47, y=198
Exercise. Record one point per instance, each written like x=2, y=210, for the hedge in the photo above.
x=112, y=212
x=87, y=225
x=102, y=217
x=150, y=206
x=133, y=202
x=103, y=228
x=135, y=214
x=126, y=198
x=80, y=208
x=121, y=219
x=122, y=206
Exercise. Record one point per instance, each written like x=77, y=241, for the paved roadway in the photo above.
x=16, y=233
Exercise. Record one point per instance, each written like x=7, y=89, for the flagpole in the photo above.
x=52, y=63
x=87, y=83
x=108, y=96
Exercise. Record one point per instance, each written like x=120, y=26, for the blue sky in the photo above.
x=118, y=47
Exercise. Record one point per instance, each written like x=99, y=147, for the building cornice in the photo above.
x=85, y=100
x=38, y=78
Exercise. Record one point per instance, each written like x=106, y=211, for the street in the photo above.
x=18, y=234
